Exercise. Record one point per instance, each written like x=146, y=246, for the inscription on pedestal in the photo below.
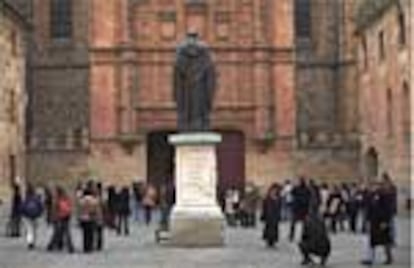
x=197, y=178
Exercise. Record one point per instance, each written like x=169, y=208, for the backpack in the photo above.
x=32, y=207
x=64, y=208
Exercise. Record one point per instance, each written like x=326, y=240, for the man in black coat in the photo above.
x=301, y=201
x=380, y=212
x=271, y=215
x=123, y=211
x=315, y=240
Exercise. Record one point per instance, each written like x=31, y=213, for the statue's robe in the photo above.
x=194, y=85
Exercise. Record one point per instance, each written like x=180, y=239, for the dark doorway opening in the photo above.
x=160, y=158
x=371, y=164
x=230, y=158
x=231, y=162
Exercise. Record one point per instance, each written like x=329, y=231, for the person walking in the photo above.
x=111, y=207
x=335, y=204
x=48, y=204
x=352, y=208
x=89, y=209
x=287, y=200
x=99, y=219
x=380, y=213
x=32, y=208
x=167, y=200
x=271, y=208
x=149, y=201
x=123, y=211
x=14, y=224
x=315, y=239
x=392, y=194
x=301, y=200
x=61, y=215
x=249, y=205
x=136, y=200
x=323, y=208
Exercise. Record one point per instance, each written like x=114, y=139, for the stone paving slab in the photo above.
x=244, y=249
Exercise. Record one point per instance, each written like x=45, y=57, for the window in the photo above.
x=401, y=28
x=12, y=107
x=405, y=111
x=61, y=19
x=389, y=113
x=13, y=42
x=303, y=18
x=77, y=137
x=381, y=45
x=364, y=52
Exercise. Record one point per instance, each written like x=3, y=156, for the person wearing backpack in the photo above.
x=61, y=237
x=32, y=209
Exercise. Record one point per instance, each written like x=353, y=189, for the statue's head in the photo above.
x=192, y=36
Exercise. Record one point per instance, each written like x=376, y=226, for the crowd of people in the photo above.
x=91, y=207
x=320, y=208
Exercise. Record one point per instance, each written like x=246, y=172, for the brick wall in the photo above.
x=384, y=82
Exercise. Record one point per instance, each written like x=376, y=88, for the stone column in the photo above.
x=196, y=219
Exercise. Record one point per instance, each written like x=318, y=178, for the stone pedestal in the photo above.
x=196, y=219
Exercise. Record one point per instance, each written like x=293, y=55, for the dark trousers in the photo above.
x=353, y=216
x=14, y=226
x=61, y=237
x=295, y=220
x=99, y=237
x=88, y=230
x=165, y=217
x=123, y=224
x=148, y=212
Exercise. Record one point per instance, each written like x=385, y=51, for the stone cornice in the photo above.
x=369, y=11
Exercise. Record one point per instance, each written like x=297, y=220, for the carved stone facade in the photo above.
x=12, y=96
x=384, y=51
x=109, y=86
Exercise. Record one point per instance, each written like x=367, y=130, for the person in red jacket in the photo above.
x=62, y=211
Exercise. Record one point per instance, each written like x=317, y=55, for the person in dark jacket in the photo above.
x=111, y=207
x=123, y=211
x=315, y=239
x=352, y=208
x=32, y=208
x=271, y=215
x=15, y=213
x=392, y=194
x=380, y=213
x=167, y=201
x=301, y=200
x=99, y=218
x=48, y=204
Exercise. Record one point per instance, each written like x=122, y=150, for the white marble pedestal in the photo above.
x=196, y=219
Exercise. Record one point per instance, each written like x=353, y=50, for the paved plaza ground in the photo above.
x=244, y=249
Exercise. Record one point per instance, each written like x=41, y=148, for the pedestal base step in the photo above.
x=197, y=232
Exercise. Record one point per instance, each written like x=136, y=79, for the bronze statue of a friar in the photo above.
x=194, y=84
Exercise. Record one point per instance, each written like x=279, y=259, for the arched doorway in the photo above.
x=160, y=158
x=371, y=164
